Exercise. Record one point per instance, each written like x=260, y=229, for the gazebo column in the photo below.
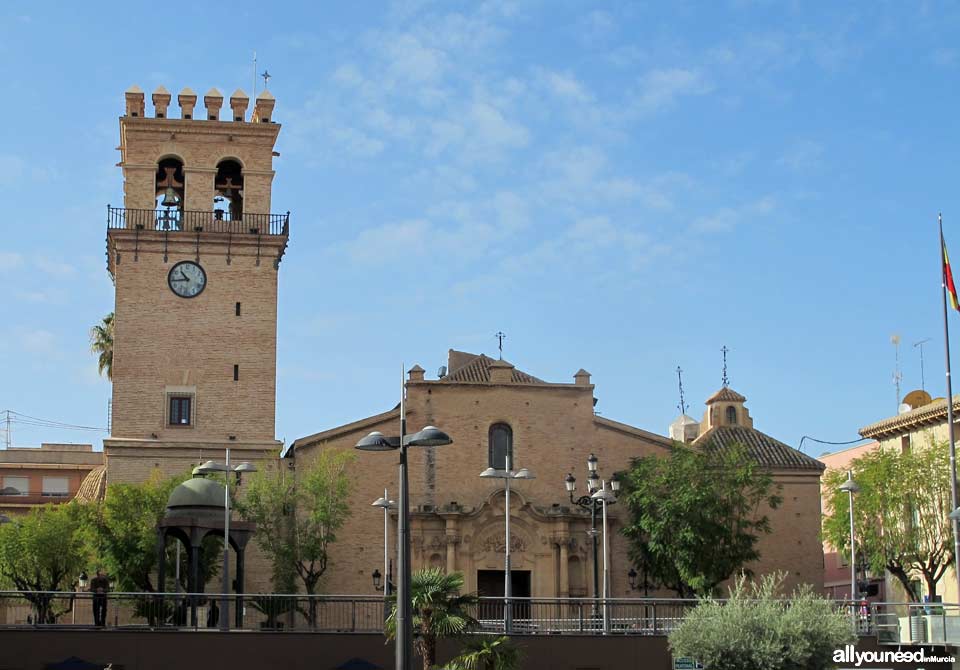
x=161, y=575
x=195, y=585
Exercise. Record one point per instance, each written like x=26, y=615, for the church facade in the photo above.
x=195, y=253
x=489, y=408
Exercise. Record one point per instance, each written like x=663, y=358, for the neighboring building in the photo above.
x=922, y=421
x=836, y=565
x=52, y=473
x=490, y=409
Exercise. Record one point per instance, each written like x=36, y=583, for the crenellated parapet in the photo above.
x=212, y=102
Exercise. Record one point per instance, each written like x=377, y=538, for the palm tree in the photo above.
x=439, y=610
x=486, y=652
x=101, y=343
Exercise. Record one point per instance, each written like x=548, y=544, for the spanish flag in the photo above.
x=948, y=276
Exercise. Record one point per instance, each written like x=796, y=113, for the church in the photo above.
x=194, y=254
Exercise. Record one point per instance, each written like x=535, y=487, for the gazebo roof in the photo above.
x=197, y=493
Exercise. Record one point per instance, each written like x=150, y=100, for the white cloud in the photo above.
x=32, y=340
x=11, y=170
x=10, y=261
x=661, y=88
x=726, y=219
x=566, y=86
x=55, y=267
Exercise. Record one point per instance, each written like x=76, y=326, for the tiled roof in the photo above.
x=94, y=485
x=476, y=369
x=933, y=413
x=767, y=451
x=726, y=394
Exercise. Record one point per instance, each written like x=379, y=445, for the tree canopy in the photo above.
x=696, y=516
x=298, y=515
x=44, y=550
x=900, y=513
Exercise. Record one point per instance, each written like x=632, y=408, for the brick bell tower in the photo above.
x=194, y=255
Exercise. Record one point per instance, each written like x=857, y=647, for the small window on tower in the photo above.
x=238, y=309
x=731, y=416
x=180, y=410
x=236, y=373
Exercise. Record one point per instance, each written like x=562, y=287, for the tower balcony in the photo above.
x=173, y=220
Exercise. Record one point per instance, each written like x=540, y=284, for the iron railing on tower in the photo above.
x=215, y=221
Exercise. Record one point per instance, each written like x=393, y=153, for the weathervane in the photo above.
x=266, y=78
x=501, y=336
x=682, y=406
x=726, y=380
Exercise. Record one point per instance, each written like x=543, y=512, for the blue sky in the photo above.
x=620, y=187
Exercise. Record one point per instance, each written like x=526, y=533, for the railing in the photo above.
x=890, y=623
x=176, y=220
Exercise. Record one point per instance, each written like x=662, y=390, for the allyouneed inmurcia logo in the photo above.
x=919, y=658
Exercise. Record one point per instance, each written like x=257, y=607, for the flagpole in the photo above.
x=953, y=449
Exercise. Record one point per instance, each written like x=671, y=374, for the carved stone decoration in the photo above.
x=497, y=544
x=437, y=542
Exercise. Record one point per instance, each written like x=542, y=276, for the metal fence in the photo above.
x=177, y=220
x=891, y=623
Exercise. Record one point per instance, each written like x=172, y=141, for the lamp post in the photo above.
x=605, y=497
x=588, y=502
x=208, y=468
x=430, y=436
x=851, y=487
x=387, y=587
x=506, y=475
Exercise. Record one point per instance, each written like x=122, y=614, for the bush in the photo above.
x=757, y=630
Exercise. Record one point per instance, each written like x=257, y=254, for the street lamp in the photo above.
x=850, y=487
x=605, y=497
x=506, y=475
x=208, y=468
x=587, y=502
x=430, y=436
x=386, y=504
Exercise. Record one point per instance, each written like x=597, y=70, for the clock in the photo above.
x=187, y=279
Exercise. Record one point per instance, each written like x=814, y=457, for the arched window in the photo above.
x=500, y=445
x=731, y=416
x=168, y=193
x=228, y=191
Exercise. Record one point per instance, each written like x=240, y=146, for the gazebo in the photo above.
x=195, y=510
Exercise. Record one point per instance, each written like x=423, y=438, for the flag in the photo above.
x=948, y=277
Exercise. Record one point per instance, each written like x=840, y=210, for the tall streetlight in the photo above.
x=587, y=502
x=506, y=475
x=430, y=436
x=605, y=497
x=851, y=487
x=386, y=504
x=208, y=468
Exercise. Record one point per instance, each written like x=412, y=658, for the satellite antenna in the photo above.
x=897, y=375
x=919, y=345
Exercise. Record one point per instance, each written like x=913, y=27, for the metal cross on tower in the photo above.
x=266, y=78
x=501, y=336
x=682, y=406
x=726, y=380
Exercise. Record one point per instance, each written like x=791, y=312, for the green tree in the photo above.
x=757, y=629
x=695, y=516
x=487, y=652
x=439, y=611
x=298, y=516
x=101, y=343
x=900, y=514
x=41, y=552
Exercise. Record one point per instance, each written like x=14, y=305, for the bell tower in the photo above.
x=194, y=254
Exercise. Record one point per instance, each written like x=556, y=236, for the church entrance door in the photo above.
x=490, y=584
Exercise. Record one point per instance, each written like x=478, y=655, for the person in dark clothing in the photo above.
x=99, y=586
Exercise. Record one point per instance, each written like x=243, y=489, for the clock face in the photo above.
x=187, y=279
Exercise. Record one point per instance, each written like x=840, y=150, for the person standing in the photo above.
x=99, y=587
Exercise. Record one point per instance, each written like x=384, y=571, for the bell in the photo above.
x=170, y=198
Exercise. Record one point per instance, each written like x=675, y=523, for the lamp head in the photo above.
x=592, y=462
x=375, y=441
x=570, y=482
x=377, y=577
x=632, y=576
x=614, y=485
x=849, y=486
x=383, y=502
x=523, y=473
x=593, y=481
x=429, y=436
x=210, y=467
x=83, y=580
x=245, y=467
x=492, y=473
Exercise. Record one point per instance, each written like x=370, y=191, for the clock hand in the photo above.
x=185, y=278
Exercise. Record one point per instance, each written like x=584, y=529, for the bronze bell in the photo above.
x=170, y=198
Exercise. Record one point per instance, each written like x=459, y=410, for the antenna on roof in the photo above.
x=726, y=380
x=897, y=375
x=682, y=406
x=254, y=75
x=919, y=345
x=501, y=336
